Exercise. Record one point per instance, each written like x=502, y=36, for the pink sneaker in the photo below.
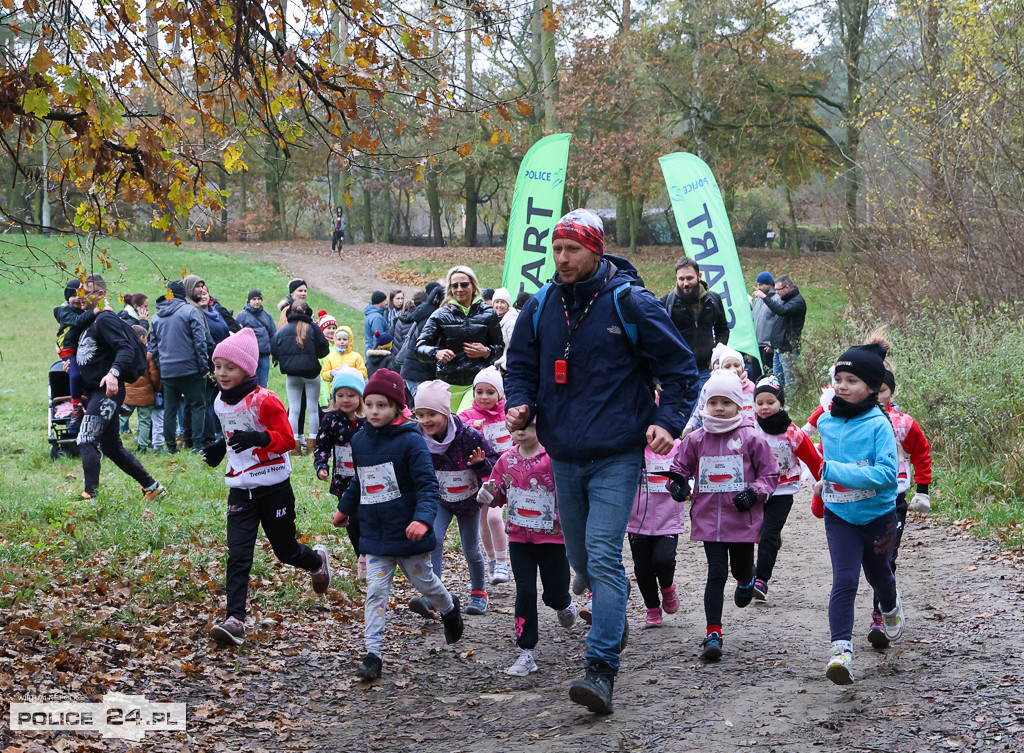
x=669, y=600
x=653, y=617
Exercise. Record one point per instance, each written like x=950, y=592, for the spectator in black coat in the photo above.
x=297, y=348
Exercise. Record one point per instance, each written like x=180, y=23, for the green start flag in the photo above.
x=536, y=209
x=707, y=239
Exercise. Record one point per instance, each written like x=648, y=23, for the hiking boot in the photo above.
x=524, y=664
x=453, y=625
x=669, y=599
x=231, y=632
x=876, y=633
x=744, y=594
x=477, y=602
x=370, y=667
x=653, y=617
x=579, y=585
x=840, y=667
x=760, y=589
x=501, y=574
x=587, y=613
x=567, y=616
x=594, y=690
x=711, y=647
x=152, y=495
x=321, y=577
x=892, y=622
x=421, y=605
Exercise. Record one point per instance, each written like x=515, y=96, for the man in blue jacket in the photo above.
x=587, y=381
x=375, y=320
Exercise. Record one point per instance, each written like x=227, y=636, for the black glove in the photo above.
x=679, y=492
x=745, y=500
x=241, y=441
x=214, y=453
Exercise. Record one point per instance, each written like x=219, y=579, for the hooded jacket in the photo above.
x=375, y=320
x=414, y=368
x=459, y=482
x=180, y=340
x=334, y=446
x=791, y=309
x=450, y=327
x=102, y=346
x=261, y=322
x=338, y=358
x=860, y=468
x=295, y=361
x=703, y=330
x=606, y=404
x=733, y=461
x=394, y=486
x=508, y=325
x=527, y=487
x=764, y=320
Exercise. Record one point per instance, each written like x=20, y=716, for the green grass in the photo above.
x=175, y=550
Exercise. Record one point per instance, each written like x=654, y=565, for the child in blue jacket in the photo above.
x=858, y=487
x=396, y=497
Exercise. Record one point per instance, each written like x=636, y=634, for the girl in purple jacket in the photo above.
x=734, y=472
x=653, y=529
x=463, y=460
x=522, y=479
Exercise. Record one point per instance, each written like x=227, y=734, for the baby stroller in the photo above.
x=61, y=433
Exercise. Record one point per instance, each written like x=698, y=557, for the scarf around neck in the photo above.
x=843, y=409
x=441, y=447
x=234, y=395
x=775, y=424
x=713, y=425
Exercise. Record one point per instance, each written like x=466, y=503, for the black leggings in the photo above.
x=551, y=561
x=100, y=430
x=720, y=556
x=901, y=523
x=654, y=564
x=776, y=511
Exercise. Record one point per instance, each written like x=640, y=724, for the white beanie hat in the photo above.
x=502, y=294
x=490, y=376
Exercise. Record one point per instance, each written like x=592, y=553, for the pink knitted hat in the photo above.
x=724, y=384
x=241, y=349
x=434, y=395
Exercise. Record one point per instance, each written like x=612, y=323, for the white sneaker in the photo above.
x=567, y=616
x=840, y=667
x=524, y=665
x=892, y=622
x=500, y=573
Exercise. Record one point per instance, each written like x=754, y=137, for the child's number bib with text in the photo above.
x=457, y=485
x=654, y=479
x=532, y=508
x=838, y=495
x=720, y=473
x=499, y=436
x=343, y=465
x=378, y=484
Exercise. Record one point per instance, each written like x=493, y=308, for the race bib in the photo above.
x=837, y=494
x=237, y=421
x=654, y=479
x=457, y=486
x=378, y=484
x=499, y=436
x=532, y=508
x=343, y=465
x=721, y=473
x=784, y=457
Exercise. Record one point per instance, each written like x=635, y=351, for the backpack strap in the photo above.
x=629, y=327
x=542, y=297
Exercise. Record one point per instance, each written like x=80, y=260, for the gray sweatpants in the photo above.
x=380, y=571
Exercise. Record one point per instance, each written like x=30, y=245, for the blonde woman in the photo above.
x=463, y=336
x=297, y=348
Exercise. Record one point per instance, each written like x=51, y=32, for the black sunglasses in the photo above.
x=458, y=285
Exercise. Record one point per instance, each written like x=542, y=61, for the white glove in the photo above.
x=486, y=494
x=920, y=503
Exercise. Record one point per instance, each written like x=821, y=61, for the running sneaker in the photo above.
x=669, y=599
x=893, y=621
x=421, y=605
x=231, y=632
x=876, y=633
x=321, y=577
x=587, y=613
x=477, y=603
x=524, y=665
x=653, y=617
x=840, y=667
x=744, y=594
x=370, y=668
x=152, y=495
x=711, y=647
x=760, y=589
x=567, y=616
x=579, y=585
x=501, y=574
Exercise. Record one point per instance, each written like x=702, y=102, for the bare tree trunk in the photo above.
x=434, y=202
x=853, y=25
x=367, y=209
x=794, y=237
x=550, y=93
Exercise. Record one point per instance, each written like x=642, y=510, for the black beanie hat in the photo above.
x=865, y=362
x=295, y=285
x=71, y=289
x=772, y=385
x=890, y=380
x=487, y=294
x=177, y=288
x=254, y=294
x=379, y=296
x=432, y=286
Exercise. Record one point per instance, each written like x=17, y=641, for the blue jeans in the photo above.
x=263, y=371
x=469, y=533
x=694, y=395
x=595, y=498
x=784, y=367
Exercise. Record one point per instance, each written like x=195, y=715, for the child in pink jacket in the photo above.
x=522, y=479
x=487, y=416
x=653, y=529
x=734, y=472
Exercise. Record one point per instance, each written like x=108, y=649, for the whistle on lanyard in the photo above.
x=561, y=371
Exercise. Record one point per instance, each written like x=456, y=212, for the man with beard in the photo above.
x=698, y=314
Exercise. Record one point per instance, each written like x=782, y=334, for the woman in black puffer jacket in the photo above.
x=463, y=336
x=297, y=348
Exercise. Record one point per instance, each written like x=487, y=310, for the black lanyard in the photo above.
x=568, y=321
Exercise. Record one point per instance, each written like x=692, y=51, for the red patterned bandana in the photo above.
x=584, y=227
